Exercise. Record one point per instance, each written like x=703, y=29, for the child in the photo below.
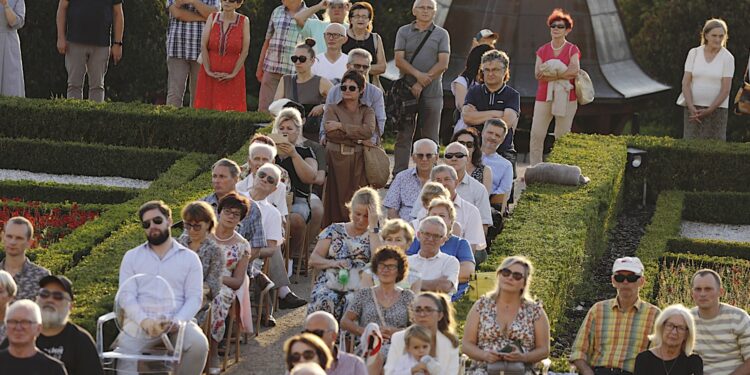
x=416, y=359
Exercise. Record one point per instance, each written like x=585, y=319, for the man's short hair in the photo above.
x=158, y=205
x=20, y=220
x=234, y=168
x=256, y=146
x=496, y=122
x=443, y=168
x=333, y=325
x=435, y=220
x=424, y=141
x=359, y=52
x=28, y=305
x=704, y=272
x=460, y=146
x=414, y=6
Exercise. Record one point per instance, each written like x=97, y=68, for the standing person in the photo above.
x=470, y=77
x=560, y=24
x=485, y=37
x=424, y=72
x=722, y=331
x=673, y=342
x=24, y=321
x=399, y=200
x=11, y=71
x=311, y=27
x=706, y=83
x=349, y=127
x=18, y=234
x=282, y=36
x=331, y=65
x=616, y=330
x=7, y=294
x=184, y=34
x=225, y=42
x=84, y=33
x=325, y=326
x=471, y=139
x=360, y=35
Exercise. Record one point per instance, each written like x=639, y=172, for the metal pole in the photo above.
x=644, y=191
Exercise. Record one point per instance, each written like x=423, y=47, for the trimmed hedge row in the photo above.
x=75, y=158
x=128, y=124
x=718, y=207
x=64, y=207
x=714, y=248
x=563, y=228
x=54, y=192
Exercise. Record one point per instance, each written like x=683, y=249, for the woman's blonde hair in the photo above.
x=667, y=313
x=394, y=226
x=432, y=190
x=365, y=196
x=418, y=332
x=7, y=283
x=715, y=23
x=289, y=114
x=443, y=202
x=507, y=262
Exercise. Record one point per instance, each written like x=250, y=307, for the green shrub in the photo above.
x=714, y=248
x=717, y=207
x=127, y=124
x=46, y=206
x=84, y=159
x=54, y=192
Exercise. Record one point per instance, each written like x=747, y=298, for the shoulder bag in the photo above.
x=584, y=86
x=399, y=101
x=354, y=283
x=742, y=100
x=377, y=165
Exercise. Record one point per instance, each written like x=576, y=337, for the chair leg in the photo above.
x=228, y=336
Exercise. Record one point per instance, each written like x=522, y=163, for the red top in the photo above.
x=545, y=53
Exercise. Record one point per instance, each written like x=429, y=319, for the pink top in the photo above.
x=545, y=53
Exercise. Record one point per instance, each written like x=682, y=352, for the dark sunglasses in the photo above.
x=301, y=59
x=557, y=26
x=316, y=332
x=468, y=144
x=147, y=223
x=56, y=295
x=270, y=179
x=424, y=156
x=308, y=355
x=457, y=155
x=630, y=278
x=516, y=275
x=351, y=88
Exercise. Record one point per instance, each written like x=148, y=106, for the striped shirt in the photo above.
x=184, y=38
x=724, y=341
x=613, y=338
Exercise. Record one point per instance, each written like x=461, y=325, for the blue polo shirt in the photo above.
x=485, y=100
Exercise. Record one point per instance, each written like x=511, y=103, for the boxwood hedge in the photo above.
x=54, y=192
x=718, y=207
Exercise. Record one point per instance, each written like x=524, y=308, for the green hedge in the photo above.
x=46, y=206
x=128, y=124
x=54, y=192
x=46, y=156
x=714, y=248
x=718, y=207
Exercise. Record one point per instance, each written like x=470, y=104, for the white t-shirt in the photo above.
x=277, y=198
x=272, y=226
x=436, y=267
x=330, y=70
x=706, y=83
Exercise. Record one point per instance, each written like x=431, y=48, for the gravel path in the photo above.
x=723, y=232
x=18, y=175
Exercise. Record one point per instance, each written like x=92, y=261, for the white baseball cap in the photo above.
x=486, y=33
x=631, y=264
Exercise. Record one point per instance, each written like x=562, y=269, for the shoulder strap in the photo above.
x=421, y=44
x=376, y=38
x=295, y=95
x=377, y=307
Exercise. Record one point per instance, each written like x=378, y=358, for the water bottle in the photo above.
x=343, y=276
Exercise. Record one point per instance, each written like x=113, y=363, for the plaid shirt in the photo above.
x=184, y=38
x=27, y=280
x=612, y=338
x=251, y=227
x=283, y=35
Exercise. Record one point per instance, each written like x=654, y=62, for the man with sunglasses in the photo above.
x=24, y=322
x=616, y=330
x=18, y=235
x=325, y=326
x=407, y=185
x=438, y=270
x=161, y=255
x=457, y=156
x=60, y=338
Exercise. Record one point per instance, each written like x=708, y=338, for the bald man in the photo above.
x=325, y=326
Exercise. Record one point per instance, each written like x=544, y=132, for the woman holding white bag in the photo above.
x=554, y=103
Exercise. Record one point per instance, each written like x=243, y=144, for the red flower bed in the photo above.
x=51, y=222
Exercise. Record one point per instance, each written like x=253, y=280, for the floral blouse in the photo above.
x=212, y=259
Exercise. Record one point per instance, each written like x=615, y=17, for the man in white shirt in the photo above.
x=457, y=156
x=267, y=178
x=164, y=257
x=257, y=155
x=332, y=64
x=336, y=11
x=438, y=271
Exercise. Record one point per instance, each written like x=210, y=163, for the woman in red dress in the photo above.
x=224, y=47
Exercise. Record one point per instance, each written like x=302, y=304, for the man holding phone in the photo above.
x=616, y=330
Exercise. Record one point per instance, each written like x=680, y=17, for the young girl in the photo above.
x=416, y=359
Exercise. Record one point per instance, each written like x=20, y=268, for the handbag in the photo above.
x=311, y=127
x=377, y=166
x=681, y=99
x=399, y=101
x=584, y=88
x=354, y=282
x=742, y=100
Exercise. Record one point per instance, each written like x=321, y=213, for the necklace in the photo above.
x=224, y=239
x=664, y=363
x=552, y=44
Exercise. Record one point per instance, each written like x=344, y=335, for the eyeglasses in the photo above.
x=56, y=295
x=557, y=26
x=360, y=66
x=423, y=310
x=424, y=156
x=316, y=332
x=22, y=323
x=431, y=236
x=308, y=355
x=468, y=144
x=669, y=327
x=516, y=275
x=195, y=227
x=301, y=59
x=235, y=213
x=332, y=35
x=457, y=155
x=630, y=278
x=388, y=267
x=351, y=88
x=147, y=223
x=234, y=1
x=270, y=179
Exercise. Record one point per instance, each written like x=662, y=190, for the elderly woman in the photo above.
x=560, y=24
x=7, y=293
x=224, y=46
x=471, y=76
x=672, y=346
x=470, y=138
x=387, y=305
x=259, y=153
x=434, y=312
x=706, y=83
x=311, y=27
x=397, y=234
x=199, y=221
x=506, y=325
x=11, y=67
x=307, y=347
x=344, y=249
x=430, y=191
x=360, y=35
x=348, y=125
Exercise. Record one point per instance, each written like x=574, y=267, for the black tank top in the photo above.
x=367, y=45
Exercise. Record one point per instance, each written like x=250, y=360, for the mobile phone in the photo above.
x=506, y=349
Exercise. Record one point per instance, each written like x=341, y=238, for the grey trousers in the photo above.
x=82, y=60
x=428, y=125
x=179, y=71
x=195, y=351
x=277, y=270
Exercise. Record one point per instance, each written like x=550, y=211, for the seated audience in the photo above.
x=416, y=357
x=260, y=153
x=24, y=322
x=438, y=271
x=399, y=200
x=456, y=155
x=8, y=290
x=308, y=368
x=398, y=234
x=267, y=179
x=18, y=235
x=307, y=347
x=472, y=141
x=502, y=170
x=672, y=346
x=331, y=65
x=431, y=190
x=325, y=326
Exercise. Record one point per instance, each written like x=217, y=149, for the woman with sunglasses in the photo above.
x=360, y=35
x=506, y=324
x=224, y=47
x=471, y=139
x=232, y=209
x=434, y=312
x=672, y=343
x=306, y=347
x=560, y=24
x=349, y=126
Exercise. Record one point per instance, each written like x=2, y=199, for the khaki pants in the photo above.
x=82, y=60
x=268, y=87
x=179, y=70
x=427, y=125
x=195, y=351
x=540, y=124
